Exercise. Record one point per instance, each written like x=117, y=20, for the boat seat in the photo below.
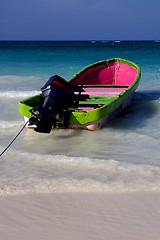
x=101, y=90
x=100, y=85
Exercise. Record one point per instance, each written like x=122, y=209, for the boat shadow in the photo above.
x=144, y=106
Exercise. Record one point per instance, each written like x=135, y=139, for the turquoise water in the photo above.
x=123, y=156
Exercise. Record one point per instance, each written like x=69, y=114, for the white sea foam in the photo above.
x=18, y=94
x=9, y=124
x=57, y=173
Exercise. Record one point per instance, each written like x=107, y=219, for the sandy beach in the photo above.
x=80, y=216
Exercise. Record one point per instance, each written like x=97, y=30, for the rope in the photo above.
x=13, y=139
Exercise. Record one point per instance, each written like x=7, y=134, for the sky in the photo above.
x=79, y=20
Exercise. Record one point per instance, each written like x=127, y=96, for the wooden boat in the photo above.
x=101, y=90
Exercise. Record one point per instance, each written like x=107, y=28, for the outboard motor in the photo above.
x=58, y=97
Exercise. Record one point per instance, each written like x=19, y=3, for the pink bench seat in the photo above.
x=102, y=91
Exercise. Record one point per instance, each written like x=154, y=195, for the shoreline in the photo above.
x=80, y=216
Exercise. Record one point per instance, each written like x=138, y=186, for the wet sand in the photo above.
x=80, y=216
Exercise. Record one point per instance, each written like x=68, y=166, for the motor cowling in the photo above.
x=58, y=97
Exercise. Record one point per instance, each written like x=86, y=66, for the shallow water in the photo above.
x=123, y=156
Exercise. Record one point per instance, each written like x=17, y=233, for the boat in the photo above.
x=92, y=97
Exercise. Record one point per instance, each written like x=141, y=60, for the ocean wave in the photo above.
x=19, y=78
x=9, y=124
x=58, y=173
x=18, y=94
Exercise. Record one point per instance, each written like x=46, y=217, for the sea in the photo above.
x=123, y=156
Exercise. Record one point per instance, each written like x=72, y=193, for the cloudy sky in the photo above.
x=79, y=19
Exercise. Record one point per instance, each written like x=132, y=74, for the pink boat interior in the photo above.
x=116, y=73
x=114, y=77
